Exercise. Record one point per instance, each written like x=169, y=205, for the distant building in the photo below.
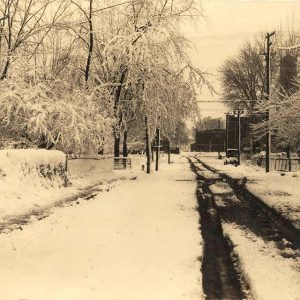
x=209, y=140
x=233, y=131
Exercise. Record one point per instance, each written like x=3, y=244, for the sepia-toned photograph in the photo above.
x=149, y=149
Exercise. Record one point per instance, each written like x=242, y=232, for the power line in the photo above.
x=112, y=6
x=288, y=48
x=226, y=101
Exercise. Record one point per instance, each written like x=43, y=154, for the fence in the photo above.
x=122, y=163
x=279, y=164
x=89, y=166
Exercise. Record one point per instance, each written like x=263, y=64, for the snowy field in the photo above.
x=139, y=241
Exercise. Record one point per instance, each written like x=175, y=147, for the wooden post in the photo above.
x=238, y=113
x=219, y=139
x=226, y=141
x=239, y=139
x=268, y=71
x=288, y=152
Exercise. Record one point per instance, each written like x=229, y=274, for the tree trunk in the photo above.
x=116, y=145
x=169, y=152
x=118, y=115
x=125, y=149
x=152, y=152
x=148, y=147
x=91, y=43
x=5, y=70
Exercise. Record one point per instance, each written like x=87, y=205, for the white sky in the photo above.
x=231, y=23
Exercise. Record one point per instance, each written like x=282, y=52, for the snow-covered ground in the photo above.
x=139, y=241
x=279, y=192
x=23, y=189
x=270, y=275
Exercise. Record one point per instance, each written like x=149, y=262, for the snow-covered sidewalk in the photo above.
x=27, y=194
x=139, y=241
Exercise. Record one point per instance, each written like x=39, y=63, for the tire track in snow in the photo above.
x=257, y=215
x=220, y=277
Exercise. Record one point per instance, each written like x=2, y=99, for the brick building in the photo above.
x=209, y=140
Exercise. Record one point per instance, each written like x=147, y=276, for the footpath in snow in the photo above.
x=139, y=241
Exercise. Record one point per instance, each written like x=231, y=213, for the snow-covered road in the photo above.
x=139, y=241
x=266, y=251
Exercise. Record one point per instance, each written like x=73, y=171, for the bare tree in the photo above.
x=243, y=76
x=24, y=27
x=89, y=42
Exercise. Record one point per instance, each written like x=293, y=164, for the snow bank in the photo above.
x=28, y=178
x=33, y=179
x=31, y=167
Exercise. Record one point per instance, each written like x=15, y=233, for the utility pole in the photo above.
x=227, y=133
x=239, y=121
x=148, y=146
x=268, y=73
x=219, y=139
x=238, y=113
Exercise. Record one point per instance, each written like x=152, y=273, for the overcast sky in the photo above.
x=230, y=24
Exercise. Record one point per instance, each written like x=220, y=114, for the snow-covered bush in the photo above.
x=284, y=119
x=32, y=167
x=52, y=114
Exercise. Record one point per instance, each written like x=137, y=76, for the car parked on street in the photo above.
x=231, y=157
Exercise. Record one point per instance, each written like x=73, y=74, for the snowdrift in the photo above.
x=32, y=168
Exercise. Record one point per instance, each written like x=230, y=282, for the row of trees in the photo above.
x=243, y=80
x=79, y=75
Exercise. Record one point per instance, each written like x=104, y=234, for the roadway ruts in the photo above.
x=258, y=216
x=222, y=278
